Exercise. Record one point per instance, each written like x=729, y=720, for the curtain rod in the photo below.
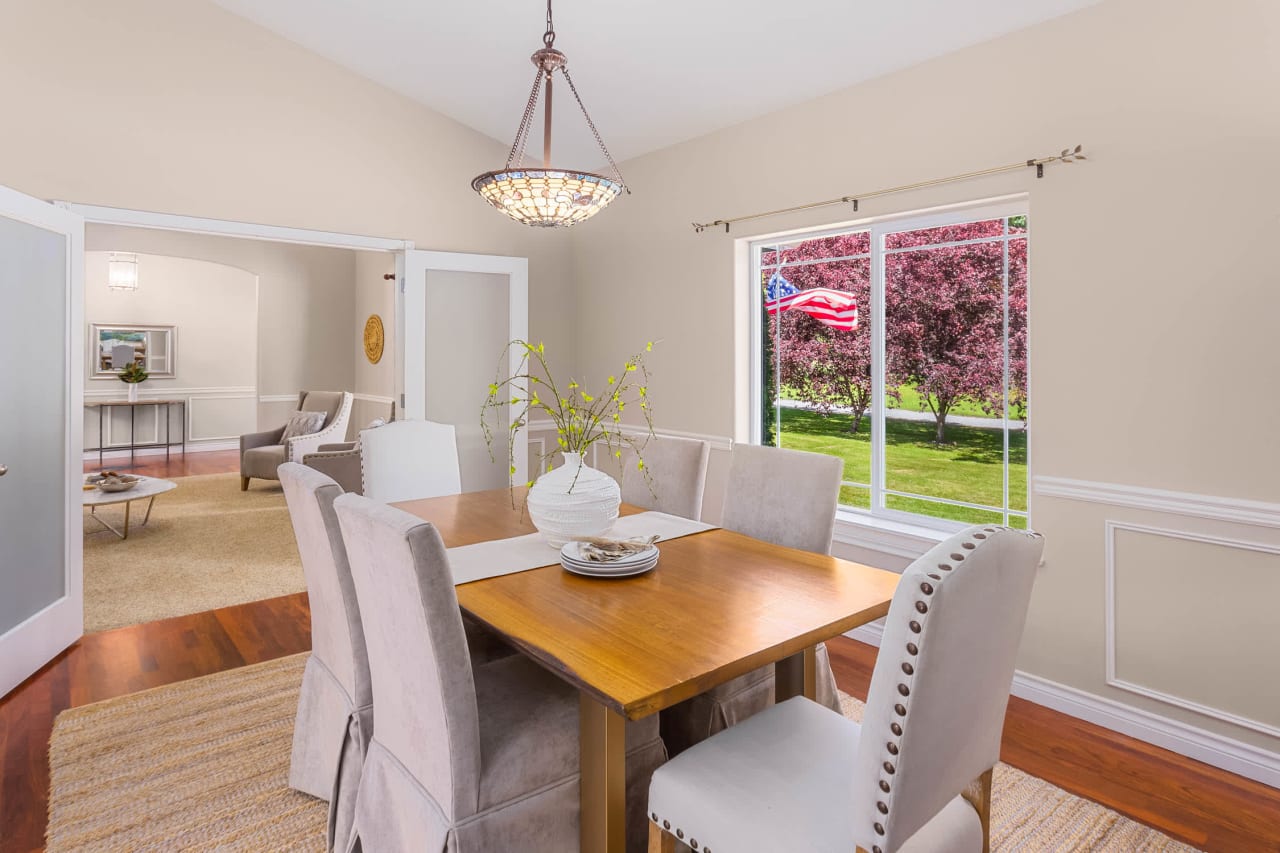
x=1067, y=155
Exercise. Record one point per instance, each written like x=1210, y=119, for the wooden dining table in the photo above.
x=718, y=605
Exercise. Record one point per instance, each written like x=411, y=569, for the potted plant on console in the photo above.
x=133, y=374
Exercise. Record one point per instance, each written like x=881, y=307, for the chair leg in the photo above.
x=660, y=841
x=244, y=484
x=978, y=795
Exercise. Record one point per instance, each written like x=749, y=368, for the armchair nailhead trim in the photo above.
x=908, y=668
x=874, y=849
x=926, y=587
x=904, y=690
x=892, y=747
x=958, y=557
x=979, y=536
x=922, y=607
x=653, y=816
x=679, y=833
x=884, y=786
x=944, y=567
x=888, y=767
x=879, y=829
x=693, y=842
x=968, y=546
x=895, y=728
x=913, y=649
x=882, y=807
x=914, y=626
x=666, y=824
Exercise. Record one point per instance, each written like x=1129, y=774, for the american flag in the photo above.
x=829, y=307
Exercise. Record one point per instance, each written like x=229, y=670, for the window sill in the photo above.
x=888, y=536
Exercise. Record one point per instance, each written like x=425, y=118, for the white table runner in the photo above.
x=522, y=553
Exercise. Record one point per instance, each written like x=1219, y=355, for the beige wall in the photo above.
x=214, y=309
x=306, y=299
x=184, y=108
x=1153, y=288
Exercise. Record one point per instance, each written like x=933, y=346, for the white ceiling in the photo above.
x=652, y=72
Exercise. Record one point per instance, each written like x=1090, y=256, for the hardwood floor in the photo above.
x=178, y=465
x=1201, y=805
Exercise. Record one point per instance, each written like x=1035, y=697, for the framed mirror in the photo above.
x=112, y=347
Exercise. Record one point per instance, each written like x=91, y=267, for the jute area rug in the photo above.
x=208, y=545
x=203, y=765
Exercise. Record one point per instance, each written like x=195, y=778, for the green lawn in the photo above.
x=966, y=469
x=910, y=400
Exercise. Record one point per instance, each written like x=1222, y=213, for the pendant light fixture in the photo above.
x=548, y=197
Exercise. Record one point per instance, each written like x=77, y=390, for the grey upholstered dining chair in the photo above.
x=789, y=498
x=335, y=707
x=409, y=459
x=915, y=776
x=677, y=476
x=261, y=453
x=463, y=757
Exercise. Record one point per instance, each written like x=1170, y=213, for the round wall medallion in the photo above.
x=374, y=339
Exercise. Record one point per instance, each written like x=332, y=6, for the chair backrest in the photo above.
x=337, y=637
x=407, y=460
x=677, y=476
x=936, y=705
x=329, y=402
x=423, y=687
x=787, y=497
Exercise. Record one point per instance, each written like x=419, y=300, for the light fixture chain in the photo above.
x=599, y=140
x=526, y=121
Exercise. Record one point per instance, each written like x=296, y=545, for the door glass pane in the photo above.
x=466, y=332
x=33, y=347
x=945, y=368
x=818, y=354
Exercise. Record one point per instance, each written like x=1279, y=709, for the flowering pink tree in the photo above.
x=944, y=321
x=944, y=318
x=827, y=367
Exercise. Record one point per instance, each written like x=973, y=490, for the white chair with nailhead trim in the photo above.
x=915, y=776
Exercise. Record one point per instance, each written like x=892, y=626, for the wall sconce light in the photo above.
x=122, y=271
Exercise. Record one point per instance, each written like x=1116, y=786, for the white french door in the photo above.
x=42, y=350
x=455, y=314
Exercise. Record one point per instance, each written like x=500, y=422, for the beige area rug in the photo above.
x=204, y=764
x=207, y=545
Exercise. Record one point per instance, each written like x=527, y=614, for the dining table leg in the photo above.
x=603, y=784
x=796, y=676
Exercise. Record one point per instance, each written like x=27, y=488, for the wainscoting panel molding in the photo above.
x=1213, y=749
x=1112, y=527
x=1210, y=507
x=148, y=424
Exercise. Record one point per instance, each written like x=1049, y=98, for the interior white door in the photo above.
x=42, y=349
x=455, y=314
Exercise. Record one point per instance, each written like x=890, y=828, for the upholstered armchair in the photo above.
x=339, y=461
x=261, y=453
x=915, y=775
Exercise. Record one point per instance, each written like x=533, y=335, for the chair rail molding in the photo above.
x=1151, y=693
x=1210, y=507
x=1216, y=750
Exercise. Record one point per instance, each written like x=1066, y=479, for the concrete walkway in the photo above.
x=913, y=415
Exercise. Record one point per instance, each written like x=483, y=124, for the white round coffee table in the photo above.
x=147, y=488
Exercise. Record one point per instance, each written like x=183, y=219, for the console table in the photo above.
x=161, y=407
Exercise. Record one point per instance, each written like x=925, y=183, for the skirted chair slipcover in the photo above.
x=789, y=498
x=261, y=453
x=677, y=476
x=335, y=707
x=463, y=757
x=915, y=776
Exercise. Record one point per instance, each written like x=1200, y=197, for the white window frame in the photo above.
x=923, y=526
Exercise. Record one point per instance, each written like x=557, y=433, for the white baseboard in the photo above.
x=1216, y=750
x=192, y=447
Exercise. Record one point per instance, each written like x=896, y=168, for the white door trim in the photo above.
x=411, y=350
x=100, y=215
x=42, y=636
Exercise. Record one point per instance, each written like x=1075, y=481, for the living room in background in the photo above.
x=900, y=346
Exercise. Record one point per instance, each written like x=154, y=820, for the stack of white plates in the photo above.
x=633, y=564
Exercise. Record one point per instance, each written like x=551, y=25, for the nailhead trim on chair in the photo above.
x=908, y=669
x=679, y=833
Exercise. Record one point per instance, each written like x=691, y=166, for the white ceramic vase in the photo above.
x=133, y=391
x=573, y=501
